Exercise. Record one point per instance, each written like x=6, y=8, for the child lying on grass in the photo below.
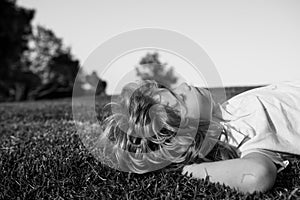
x=242, y=143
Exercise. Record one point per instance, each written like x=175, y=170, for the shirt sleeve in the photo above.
x=276, y=157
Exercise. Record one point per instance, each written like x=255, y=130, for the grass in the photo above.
x=42, y=157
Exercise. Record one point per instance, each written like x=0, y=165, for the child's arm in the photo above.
x=254, y=172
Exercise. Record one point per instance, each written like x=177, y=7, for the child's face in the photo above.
x=198, y=101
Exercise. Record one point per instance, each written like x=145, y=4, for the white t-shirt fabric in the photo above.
x=265, y=120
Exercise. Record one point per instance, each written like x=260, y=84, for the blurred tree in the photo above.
x=44, y=46
x=63, y=68
x=54, y=64
x=15, y=31
x=96, y=83
x=151, y=68
x=34, y=63
x=61, y=71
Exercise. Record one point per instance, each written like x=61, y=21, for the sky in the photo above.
x=250, y=42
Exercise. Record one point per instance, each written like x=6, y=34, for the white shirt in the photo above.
x=265, y=120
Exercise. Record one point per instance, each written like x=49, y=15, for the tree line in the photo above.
x=34, y=63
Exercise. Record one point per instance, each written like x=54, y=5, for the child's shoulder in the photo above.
x=286, y=92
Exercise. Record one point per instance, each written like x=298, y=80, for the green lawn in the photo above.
x=42, y=157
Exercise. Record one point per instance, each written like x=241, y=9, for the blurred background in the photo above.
x=44, y=44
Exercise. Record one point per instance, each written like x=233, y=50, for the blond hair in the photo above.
x=145, y=135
